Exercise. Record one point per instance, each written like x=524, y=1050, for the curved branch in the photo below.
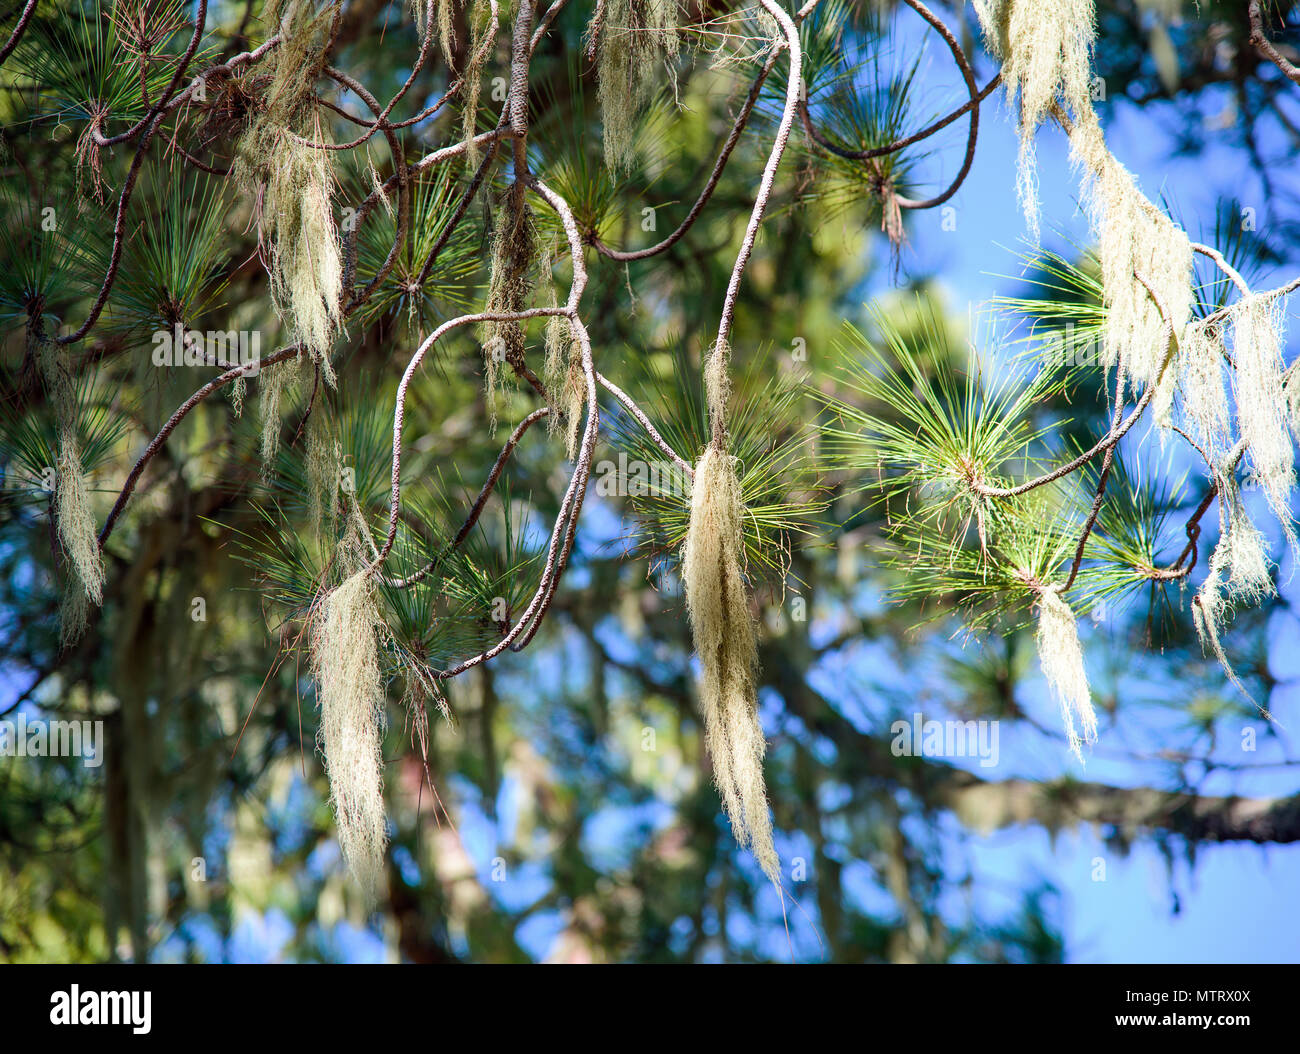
x=156, y=444
x=972, y=105
x=476, y=510
x=564, y=531
x=794, y=88
x=381, y=122
x=403, y=189
x=1266, y=48
x=972, y=136
x=19, y=29
x=1233, y=275
x=399, y=411
x=714, y=177
x=200, y=23
x=119, y=236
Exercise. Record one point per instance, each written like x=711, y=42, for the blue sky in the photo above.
x=1237, y=904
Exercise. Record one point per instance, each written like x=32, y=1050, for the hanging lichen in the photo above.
x=347, y=633
x=472, y=76
x=1202, y=387
x=274, y=381
x=292, y=185
x=1260, y=394
x=443, y=10
x=1061, y=659
x=1045, y=48
x=323, y=463
x=510, y=285
x=1239, y=573
x=1137, y=245
x=637, y=43
x=562, y=375
x=73, y=516
x=723, y=631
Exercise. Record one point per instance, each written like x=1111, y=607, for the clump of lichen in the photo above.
x=291, y=181
x=636, y=42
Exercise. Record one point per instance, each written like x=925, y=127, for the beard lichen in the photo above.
x=562, y=373
x=723, y=631
x=510, y=286
x=637, y=45
x=1260, y=393
x=1134, y=237
x=292, y=185
x=1202, y=390
x=73, y=516
x=1239, y=573
x=1045, y=47
x=347, y=632
x=323, y=464
x=274, y=381
x=1061, y=658
x=472, y=76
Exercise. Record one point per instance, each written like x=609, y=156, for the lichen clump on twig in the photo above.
x=346, y=638
x=1045, y=47
x=723, y=631
x=278, y=161
x=637, y=42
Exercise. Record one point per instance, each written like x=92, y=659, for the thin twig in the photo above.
x=794, y=88
x=645, y=423
x=1266, y=47
x=18, y=30
x=738, y=126
x=156, y=444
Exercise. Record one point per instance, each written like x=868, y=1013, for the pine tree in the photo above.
x=414, y=268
